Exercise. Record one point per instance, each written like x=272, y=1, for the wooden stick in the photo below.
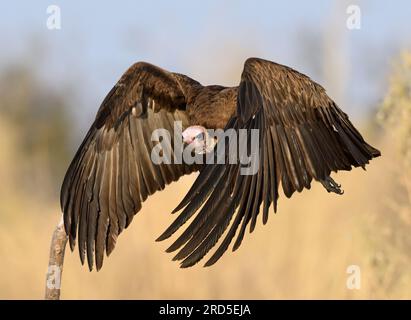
x=56, y=260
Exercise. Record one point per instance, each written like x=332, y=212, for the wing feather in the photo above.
x=112, y=172
x=303, y=136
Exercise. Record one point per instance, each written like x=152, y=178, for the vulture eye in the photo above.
x=200, y=136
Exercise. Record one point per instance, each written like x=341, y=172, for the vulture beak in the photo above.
x=185, y=142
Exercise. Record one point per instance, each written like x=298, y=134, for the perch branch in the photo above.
x=56, y=260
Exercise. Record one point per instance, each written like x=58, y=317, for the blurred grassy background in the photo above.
x=303, y=251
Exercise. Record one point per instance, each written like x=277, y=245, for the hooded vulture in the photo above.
x=303, y=136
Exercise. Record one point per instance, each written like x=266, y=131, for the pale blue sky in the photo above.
x=207, y=40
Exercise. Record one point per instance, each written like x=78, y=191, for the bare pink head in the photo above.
x=199, y=139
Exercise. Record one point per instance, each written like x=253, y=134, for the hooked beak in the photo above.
x=186, y=140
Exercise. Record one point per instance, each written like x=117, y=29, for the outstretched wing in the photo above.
x=112, y=172
x=302, y=135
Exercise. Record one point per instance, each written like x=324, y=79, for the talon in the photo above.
x=331, y=186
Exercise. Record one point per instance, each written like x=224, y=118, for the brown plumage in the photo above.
x=303, y=136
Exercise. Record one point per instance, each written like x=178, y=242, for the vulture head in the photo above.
x=199, y=139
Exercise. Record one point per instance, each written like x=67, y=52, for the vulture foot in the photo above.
x=331, y=186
